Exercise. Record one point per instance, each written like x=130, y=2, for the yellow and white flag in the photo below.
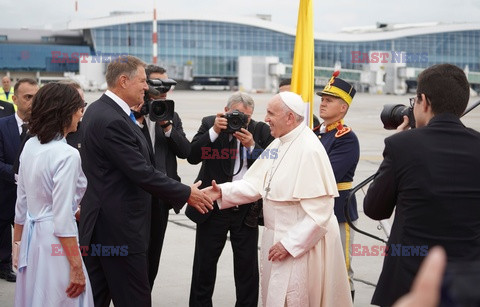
x=303, y=58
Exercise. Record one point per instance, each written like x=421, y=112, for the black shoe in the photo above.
x=8, y=275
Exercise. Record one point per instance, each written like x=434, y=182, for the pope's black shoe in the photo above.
x=8, y=275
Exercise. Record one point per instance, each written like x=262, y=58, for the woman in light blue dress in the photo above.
x=51, y=184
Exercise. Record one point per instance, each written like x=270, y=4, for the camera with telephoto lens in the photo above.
x=158, y=109
x=392, y=116
x=254, y=216
x=236, y=120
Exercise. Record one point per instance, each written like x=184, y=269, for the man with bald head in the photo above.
x=301, y=252
x=7, y=91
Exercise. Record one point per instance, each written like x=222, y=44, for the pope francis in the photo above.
x=302, y=262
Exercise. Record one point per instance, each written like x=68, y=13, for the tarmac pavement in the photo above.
x=173, y=281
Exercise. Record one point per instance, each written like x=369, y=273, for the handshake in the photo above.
x=202, y=200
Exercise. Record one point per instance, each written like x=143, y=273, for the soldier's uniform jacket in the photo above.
x=343, y=149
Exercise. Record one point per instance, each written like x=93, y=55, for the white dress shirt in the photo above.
x=214, y=136
x=20, y=122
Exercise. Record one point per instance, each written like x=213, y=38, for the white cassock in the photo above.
x=298, y=189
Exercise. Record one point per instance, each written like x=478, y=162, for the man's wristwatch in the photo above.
x=168, y=123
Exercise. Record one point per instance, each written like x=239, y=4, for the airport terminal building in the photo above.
x=206, y=46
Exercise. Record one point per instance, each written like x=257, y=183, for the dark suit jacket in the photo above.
x=216, y=168
x=74, y=139
x=430, y=175
x=121, y=178
x=168, y=149
x=6, y=108
x=9, y=146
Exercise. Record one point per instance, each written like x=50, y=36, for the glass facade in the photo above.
x=459, y=48
x=40, y=57
x=212, y=48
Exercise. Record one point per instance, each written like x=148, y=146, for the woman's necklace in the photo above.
x=267, y=189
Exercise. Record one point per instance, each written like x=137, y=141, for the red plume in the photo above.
x=336, y=73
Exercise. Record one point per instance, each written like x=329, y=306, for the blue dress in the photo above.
x=51, y=184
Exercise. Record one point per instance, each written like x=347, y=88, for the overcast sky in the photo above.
x=329, y=15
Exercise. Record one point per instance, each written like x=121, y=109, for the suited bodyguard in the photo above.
x=116, y=207
x=12, y=129
x=226, y=157
x=429, y=175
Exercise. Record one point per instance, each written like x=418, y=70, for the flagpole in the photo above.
x=154, y=35
x=303, y=58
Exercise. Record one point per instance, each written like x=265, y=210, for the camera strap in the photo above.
x=240, y=156
x=228, y=165
x=233, y=145
x=242, y=149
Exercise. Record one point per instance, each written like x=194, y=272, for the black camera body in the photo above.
x=158, y=109
x=236, y=120
x=254, y=215
x=161, y=85
x=392, y=116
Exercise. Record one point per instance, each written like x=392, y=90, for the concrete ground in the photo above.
x=173, y=280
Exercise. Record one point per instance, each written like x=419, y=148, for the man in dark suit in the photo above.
x=12, y=130
x=168, y=141
x=225, y=157
x=430, y=174
x=121, y=178
x=6, y=109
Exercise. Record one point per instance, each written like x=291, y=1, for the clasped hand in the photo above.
x=213, y=191
x=199, y=199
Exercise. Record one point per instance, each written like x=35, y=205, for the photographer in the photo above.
x=430, y=175
x=168, y=141
x=225, y=157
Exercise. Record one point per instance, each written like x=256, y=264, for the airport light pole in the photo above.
x=154, y=34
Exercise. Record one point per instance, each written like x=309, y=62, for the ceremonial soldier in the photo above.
x=343, y=149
